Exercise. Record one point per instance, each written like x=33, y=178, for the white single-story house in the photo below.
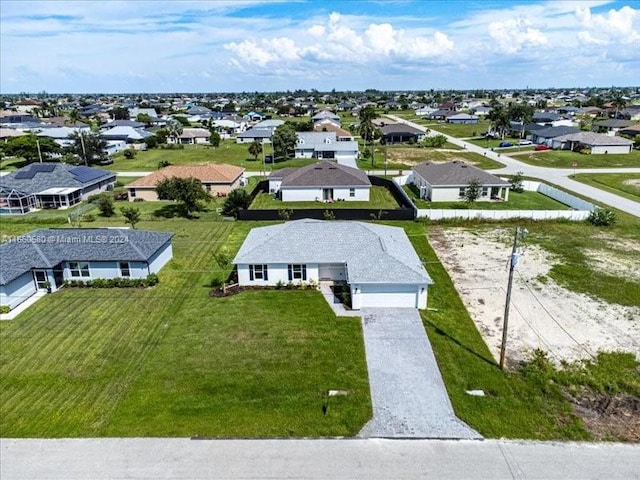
x=377, y=263
x=44, y=259
x=597, y=142
x=447, y=182
x=400, y=133
x=262, y=135
x=326, y=115
x=462, y=118
x=218, y=179
x=323, y=181
x=51, y=185
x=191, y=136
x=325, y=145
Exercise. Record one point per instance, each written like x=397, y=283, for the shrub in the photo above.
x=602, y=217
x=216, y=283
x=279, y=285
x=163, y=163
x=129, y=153
x=105, y=204
x=149, y=281
x=88, y=217
x=437, y=141
x=328, y=215
x=5, y=308
x=120, y=196
x=516, y=183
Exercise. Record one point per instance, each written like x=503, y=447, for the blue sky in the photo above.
x=253, y=45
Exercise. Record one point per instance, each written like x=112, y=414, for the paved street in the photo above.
x=407, y=391
x=161, y=459
x=556, y=176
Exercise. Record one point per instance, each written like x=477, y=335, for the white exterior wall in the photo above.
x=18, y=290
x=388, y=295
x=449, y=194
x=304, y=152
x=107, y=270
x=276, y=272
x=611, y=149
x=310, y=194
x=274, y=185
x=160, y=258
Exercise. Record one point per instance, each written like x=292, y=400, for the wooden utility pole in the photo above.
x=513, y=261
x=39, y=151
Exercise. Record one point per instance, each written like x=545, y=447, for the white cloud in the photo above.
x=513, y=35
x=621, y=25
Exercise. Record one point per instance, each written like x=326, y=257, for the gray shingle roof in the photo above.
x=45, y=248
x=592, y=138
x=61, y=175
x=553, y=132
x=323, y=174
x=372, y=253
x=400, y=128
x=324, y=142
x=456, y=174
x=256, y=133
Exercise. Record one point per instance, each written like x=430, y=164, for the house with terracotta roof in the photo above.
x=218, y=179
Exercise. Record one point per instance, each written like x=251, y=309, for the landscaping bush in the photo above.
x=105, y=204
x=149, y=281
x=437, y=141
x=129, y=153
x=163, y=163
x=602, y=217
x=121, y=196
x=5, y=309
x=216, y=282
x=88, y=217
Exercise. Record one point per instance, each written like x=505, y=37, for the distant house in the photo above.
x=481, y=110
x=631, y=130
x=325, y=145
x=253, y=116
x=44, y=259
x=400, y=133
x=376, y=263
x=135, y=111
x=596, y=142
x=611, y=125
x=62, y=135
x=326, y=115
x=341, y=134
x=323, y=181
x=51, y=185
x=545, y=118
x=217, y=179
x=261, y=135
x=545, y=135
x=448, y=182
x=126, y=134
x=191, y=136
x=462, y=118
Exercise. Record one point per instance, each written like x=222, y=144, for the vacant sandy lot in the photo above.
x=544, y=315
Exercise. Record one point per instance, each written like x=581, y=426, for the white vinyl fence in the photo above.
x=581, y=211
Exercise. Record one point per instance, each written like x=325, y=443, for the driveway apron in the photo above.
x=407, y=391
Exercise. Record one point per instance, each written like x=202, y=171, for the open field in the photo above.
x=380, y=198
x=407, y=157
x=462, y=130
x=228, y=152
x=517, y=201
x=171, y=361
x=624, y=184
x=565, y=159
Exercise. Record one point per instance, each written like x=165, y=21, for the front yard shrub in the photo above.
x=149, y=281
x=5, y=309
x=602, y=217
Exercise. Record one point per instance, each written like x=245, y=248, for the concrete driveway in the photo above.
x=408, y=395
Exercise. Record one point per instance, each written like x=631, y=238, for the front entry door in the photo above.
x=327, y=194
x=40, y=276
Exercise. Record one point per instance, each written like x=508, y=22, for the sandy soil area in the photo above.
x=567, y=325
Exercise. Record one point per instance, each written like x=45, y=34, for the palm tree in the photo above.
x=499, y=117
x=74, y=116
x=367, y=130
x=619, y=102
x=255, y=149
x=174, y=129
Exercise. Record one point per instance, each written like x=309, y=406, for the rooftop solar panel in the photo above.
x=28, y=173
x=86, y=174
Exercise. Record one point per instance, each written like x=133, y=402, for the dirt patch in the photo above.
x=612, y=263
x=633, y=182
x=609, y=417
x=569, y=326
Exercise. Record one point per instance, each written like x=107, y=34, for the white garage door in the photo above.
x=404, y=296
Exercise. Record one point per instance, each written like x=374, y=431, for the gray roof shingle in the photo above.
x=456, y=174
x=323, y=174
x=373, y=253
x=45, y=248
x=59, y=175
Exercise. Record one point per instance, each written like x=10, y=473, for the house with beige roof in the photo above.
x=218, y=179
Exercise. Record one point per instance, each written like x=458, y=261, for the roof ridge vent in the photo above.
x=382, y=245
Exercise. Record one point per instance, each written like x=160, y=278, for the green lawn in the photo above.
x=171, y=361
x=228, y=152
x=380, y=198
x=624, y=184
x=565, y=159
x=517, y=201
x=462, y=130
x=403, y=158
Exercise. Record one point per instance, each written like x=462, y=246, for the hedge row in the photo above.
x=150, y=281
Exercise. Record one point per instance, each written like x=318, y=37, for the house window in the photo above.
x=208, y=187
x=79, y=269
x=352, y=192
x=125, y=271
x=485, y=191
x=461, y=191
x=297, y=272
x=132, y=193
x=258, y=272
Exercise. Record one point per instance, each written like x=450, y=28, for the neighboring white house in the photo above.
x=46, y=258
x=597, y=142
x=325, y=145
x=262, y=135
x=62, y=135
x=191, y=136
x=323, y=181
x=447, y=182
x=376, y=263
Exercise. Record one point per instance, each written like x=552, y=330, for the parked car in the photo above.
x=505, y=144
x=541, y=147
x=524, y=142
